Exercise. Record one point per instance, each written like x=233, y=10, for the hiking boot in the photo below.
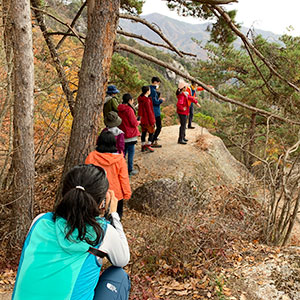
x=191, y=127
x=149, y=148
x=182, y=142
x=133, y=172
x=155, y=145
x=144, y=148
x=185, y=140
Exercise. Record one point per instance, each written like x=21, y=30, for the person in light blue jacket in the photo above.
x=62, y=254
x=156, y=101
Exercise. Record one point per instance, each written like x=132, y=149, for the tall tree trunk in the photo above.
x=93, y=79
x=90, y=10
x=8, y=104
x=23, y=154
x=251, y=146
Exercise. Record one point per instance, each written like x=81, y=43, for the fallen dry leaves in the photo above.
x=186, y=259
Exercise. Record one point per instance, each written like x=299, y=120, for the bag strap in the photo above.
x=97, y=252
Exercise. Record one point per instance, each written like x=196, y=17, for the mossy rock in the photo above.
x=165, y=197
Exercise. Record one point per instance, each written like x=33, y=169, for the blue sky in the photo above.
x=271, y=15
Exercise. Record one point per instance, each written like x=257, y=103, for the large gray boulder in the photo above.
x=165, y=197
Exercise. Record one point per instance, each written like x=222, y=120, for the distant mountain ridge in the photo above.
x=180, y=33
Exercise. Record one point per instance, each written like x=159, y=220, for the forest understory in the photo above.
x=208, y=253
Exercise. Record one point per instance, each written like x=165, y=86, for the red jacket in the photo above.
x=129, y=123
x=116, y=169
x=182, y=103
x=146, y=110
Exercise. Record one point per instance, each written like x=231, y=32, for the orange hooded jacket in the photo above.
x=116, y=169
x=189, y=90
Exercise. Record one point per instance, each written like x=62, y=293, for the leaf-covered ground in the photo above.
x=213, y=253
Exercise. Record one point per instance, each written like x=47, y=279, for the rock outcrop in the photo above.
x=164, y=197
x=181, y=172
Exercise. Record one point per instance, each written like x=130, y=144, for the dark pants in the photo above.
x=143, y=137
x=182, y=128
x=129, y=148
x=158, y=128
x=114, y=283
x=191, y=114
x=120, y=208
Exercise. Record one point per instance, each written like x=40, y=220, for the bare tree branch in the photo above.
x=136, y=36
x=43, y=12
x=71, y=25
x=61, y=33
x=246, y=41
x=57, y=63
x=129, y=34
x=215, y=2
x=64, y=34
x=120, y=47
x=153, y=28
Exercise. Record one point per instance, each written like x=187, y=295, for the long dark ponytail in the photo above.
x=84, y=188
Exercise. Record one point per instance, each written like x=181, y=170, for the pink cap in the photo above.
x=182, y=84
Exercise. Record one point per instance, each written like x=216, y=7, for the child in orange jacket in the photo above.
x=192, y=89
x=106, y=156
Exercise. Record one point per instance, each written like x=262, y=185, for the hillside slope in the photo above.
x=249, y=270
x=209, y=255
x=180, y=33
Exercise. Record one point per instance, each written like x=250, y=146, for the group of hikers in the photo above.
x=123, y=121
x=63, y=251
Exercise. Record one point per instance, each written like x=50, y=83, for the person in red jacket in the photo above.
x=183, y=109
x=146, y=113
x=129, y=126
x=106, y=156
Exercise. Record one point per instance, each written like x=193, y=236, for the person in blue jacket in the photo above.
x=157, y=101
x=62, y=254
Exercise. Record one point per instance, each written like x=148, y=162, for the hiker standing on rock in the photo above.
x=192, y=92
x=111, y=102
x=129, y=126
x=156, y=101
x=146, y=113
x=183, y=109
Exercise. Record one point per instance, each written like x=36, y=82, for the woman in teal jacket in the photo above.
x=62, y=254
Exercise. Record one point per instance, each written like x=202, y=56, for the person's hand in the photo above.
x=163, y=99
x=139, y=122
x=111, y=201
x=198, y=105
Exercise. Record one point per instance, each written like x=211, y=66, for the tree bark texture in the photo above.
x=93, y=78
x=23, y=154
x=8, y=103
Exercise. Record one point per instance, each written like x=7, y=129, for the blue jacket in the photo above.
x=156, y=102
x=53, y=267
